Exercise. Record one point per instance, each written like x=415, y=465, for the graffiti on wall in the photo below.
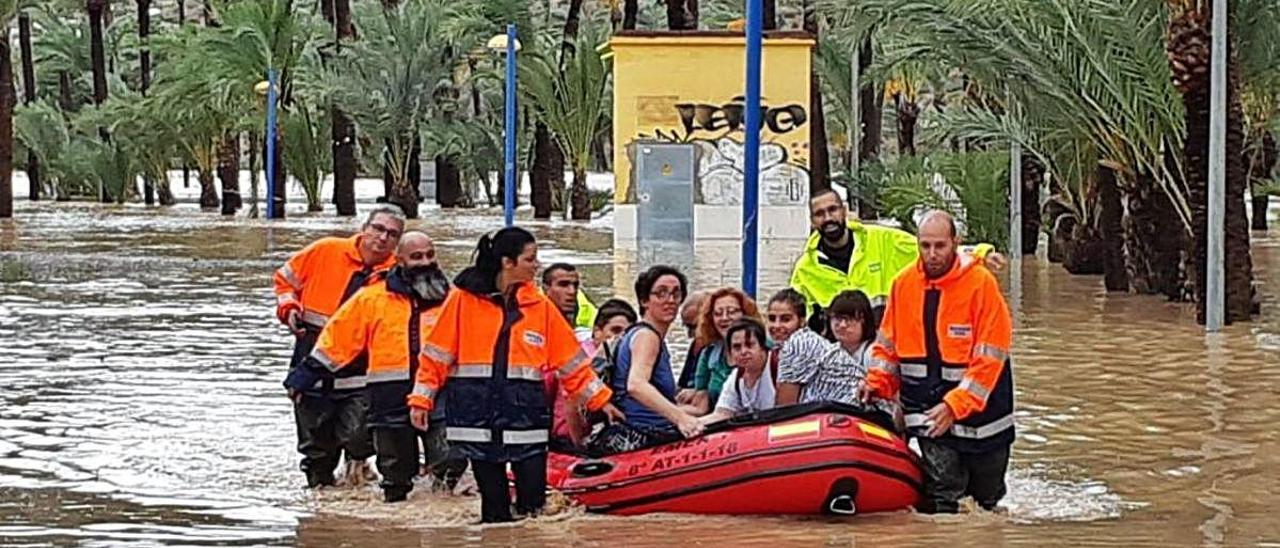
x=717, y=131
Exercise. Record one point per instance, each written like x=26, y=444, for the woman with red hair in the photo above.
x=719, y=311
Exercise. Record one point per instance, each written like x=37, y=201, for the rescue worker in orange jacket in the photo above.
x=492, y=342
x=943, y=348
x=309, y=288
x=384, y=323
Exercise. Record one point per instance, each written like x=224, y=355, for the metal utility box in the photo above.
x=665, y=175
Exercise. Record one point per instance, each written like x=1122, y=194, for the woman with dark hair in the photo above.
x=834, y=372
x=493, y=340
x=750, y=387
x=643, y=383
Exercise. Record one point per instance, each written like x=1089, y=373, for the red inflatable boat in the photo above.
x=806, y=459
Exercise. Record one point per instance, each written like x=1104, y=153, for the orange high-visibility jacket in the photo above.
x=492, y=351
x=947, y=340
x=315, y=280
x=384, y=323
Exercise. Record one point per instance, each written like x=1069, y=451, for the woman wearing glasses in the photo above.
x=643, y=382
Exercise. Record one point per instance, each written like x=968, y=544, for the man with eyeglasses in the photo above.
x=845, y=253
x=385, y=323
x=330, y=414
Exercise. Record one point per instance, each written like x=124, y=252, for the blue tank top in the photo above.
x=661, y=378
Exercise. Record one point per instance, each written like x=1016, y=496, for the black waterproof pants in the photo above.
x=326, y=427
x=951, y=475
x=495, y=499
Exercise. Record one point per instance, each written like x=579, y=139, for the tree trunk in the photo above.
x=164, y=194
x=414, y=169
x=66, y=95
x=1032, y=176
x=770, y=10
x=1239, y=259
x=870, y=115
x=819, y=155
x=28, y=96
x=229, y=173
x=908, y=114
x=448, y=183
x=182, y=12
x=144, y=78
x=581, y=198
x=1083, y=252
x=279, y=182
x=208, y=192
x=1109, y=221
x=1188, y=49
x=570, y=35
x=7, y=102
x=630, y=9
x=97, y=56
x=388, y=179
x=1261, y=162
x=253, y=174
x=547, y=162
x=678, y=16
x=1154, y=240
x=343, y=130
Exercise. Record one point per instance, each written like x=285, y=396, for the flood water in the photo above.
x=140, y=401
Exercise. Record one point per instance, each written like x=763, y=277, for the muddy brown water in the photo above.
x=140, y=402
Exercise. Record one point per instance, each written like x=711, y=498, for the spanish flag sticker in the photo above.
x=796, y=430
x=873, y=430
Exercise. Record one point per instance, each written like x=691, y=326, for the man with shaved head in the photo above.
x=943, y=348
x=385, y=324
x=845, y=254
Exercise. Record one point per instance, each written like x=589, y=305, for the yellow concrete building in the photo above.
x=688, y=87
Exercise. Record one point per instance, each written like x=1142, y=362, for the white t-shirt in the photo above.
x=737, y=398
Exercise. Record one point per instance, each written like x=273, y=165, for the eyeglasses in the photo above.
x=837, y=320
x=665, y=295
x=389, y=232
x=727, y=312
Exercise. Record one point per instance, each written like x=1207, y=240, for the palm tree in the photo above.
x=28, y=96
x=97, y=10
x=344, y=132
x=305, y=152
x=8, y=9
x=1188, y=46
x=254, y=36
x=573, y=103
x=387, y=79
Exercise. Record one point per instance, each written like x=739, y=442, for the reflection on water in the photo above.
x=141, y=402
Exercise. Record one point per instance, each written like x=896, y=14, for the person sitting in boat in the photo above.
x=722, y=308
x=785, y=316
x=643, y=383
x=798, y=353
x=689, y=317
x=820, y=371
x=570, y=426
x=750, y=388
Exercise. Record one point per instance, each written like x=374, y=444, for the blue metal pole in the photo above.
x=509, y=150
x=751, y=144
x=271, y=142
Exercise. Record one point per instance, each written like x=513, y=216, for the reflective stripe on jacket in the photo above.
x=384, y=324
x=492, y=351
x=319, y=278
x=879, y=254
x=947, y=340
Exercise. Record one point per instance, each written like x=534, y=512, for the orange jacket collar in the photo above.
x=961, y=265
x=353, y=253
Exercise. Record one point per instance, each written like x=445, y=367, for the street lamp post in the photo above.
x=270, y=89
x=751, y=146
x=509, y=45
